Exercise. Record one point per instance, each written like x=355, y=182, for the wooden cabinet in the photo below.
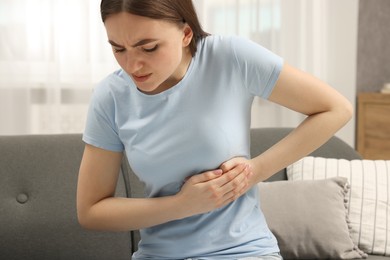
x=373, y=126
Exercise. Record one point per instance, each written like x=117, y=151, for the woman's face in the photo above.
x=154, y=53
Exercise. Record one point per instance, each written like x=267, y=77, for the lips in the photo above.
x=141, y=78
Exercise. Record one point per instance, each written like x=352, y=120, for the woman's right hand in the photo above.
x=98, y=208
x=211, y=190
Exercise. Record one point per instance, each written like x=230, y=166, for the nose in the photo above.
x=133, y=63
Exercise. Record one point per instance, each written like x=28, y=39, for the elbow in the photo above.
x=90, y=219
x=88, y=223
x=82, y=214
x=346, y=112
x=341, y=113
x=83, y=220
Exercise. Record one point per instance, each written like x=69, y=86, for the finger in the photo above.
x=230, y=175
x=229, y=165
x=233, y=195
x=206, y=176
x=237, y=184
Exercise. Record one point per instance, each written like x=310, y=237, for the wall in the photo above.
x=325, y=47
x=373, y=61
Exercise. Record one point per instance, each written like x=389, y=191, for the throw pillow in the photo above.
x=369, y=197
x=308, y=218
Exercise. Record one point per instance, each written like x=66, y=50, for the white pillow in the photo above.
x=369, y=196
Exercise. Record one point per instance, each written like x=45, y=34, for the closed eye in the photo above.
x=150, y=49
x=118, y=50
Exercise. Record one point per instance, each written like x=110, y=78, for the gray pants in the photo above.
x=275, y=256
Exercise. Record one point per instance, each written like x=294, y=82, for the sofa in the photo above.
x=38, y=178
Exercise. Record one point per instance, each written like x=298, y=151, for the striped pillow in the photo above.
x=369, y=197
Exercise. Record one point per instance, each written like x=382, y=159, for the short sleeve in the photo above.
x=259, y=67
x=101, y=130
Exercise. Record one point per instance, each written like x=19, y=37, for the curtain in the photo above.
x=53, y=52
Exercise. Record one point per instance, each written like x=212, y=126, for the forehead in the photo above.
x=130, y=28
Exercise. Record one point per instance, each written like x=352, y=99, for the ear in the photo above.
x=188, y=34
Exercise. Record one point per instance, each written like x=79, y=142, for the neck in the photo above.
x=178, y=75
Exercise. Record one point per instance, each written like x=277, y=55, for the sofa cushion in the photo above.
x=369, y=199
x=309, y=218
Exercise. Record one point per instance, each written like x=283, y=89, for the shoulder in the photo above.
x=108, y=93
x=111, y=86
x=217, y=49
x=256, y=66
x=114, y=82
x=246, y=49
x=217, y=43
x=227, y=43
x=101, y=129
x=236, y=48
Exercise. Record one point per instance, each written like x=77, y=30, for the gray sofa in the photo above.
x=38, y=177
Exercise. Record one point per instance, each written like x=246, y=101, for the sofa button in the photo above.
x=22, y=198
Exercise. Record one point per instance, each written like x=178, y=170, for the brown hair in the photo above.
x=176, y=11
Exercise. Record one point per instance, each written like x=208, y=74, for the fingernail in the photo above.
x=217, y=172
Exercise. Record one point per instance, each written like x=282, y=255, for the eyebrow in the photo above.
x=139, y=43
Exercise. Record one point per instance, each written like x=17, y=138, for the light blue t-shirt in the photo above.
x=192, y=127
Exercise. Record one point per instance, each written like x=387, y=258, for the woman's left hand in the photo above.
x=236, y=161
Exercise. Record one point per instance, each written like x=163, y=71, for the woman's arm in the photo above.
x=97, y=208
x=327, y=111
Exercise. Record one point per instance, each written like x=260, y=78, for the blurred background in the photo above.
x=53, y=53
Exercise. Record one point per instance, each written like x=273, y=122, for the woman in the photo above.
x=180, y=109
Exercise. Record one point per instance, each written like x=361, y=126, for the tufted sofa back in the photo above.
x=38, y=178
